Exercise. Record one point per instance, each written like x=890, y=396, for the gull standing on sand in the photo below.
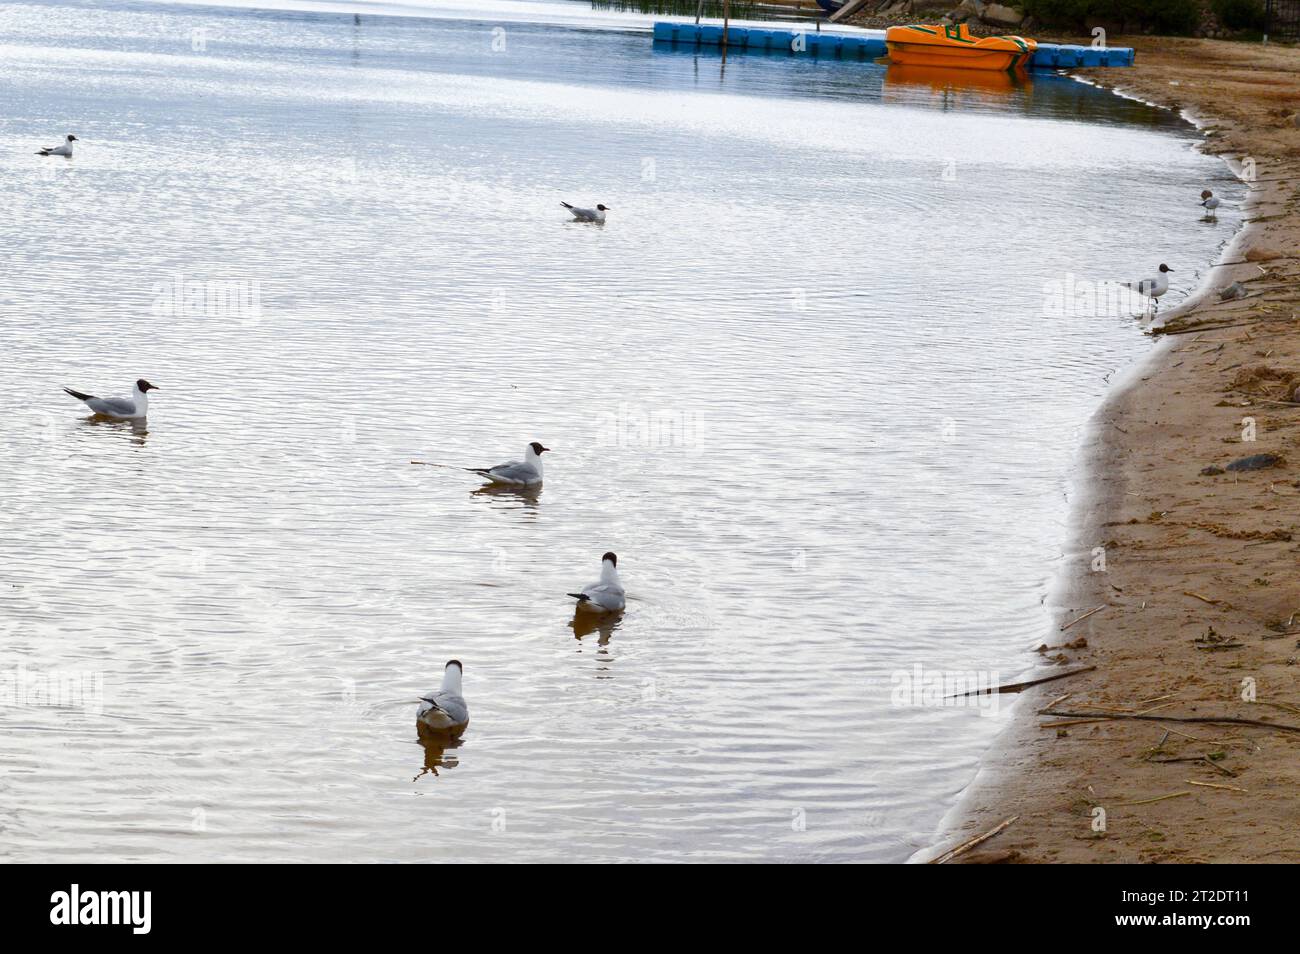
x=605, y=595
x=1153, y=288
x=121, y=409
x=1210, y=202
x=596, y=215
x=445, y=709
x=63, y=150
x=516, y=473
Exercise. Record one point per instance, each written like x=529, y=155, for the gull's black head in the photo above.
x=538, y=448
x=456, y=663
x=611, y=558
x=71, y=138
x=1206, y=193
x=601, y=208
x=1165, y=268
x=144, y=385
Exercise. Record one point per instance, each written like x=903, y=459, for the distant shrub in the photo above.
x=1163, y=16
x=1064, y=13
x=1168, y=16
x=1240, y=14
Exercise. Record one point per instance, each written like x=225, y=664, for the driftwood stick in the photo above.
x=1084, y=616
x=1163, y=705
x=1211, y=720
x=966, y=846
x=1168, y=695
x=1058, y=700
x=1158, y=798
x=1017, y=686
x=1089, y=705
x=1226, y=788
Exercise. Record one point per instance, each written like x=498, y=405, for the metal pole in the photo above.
x=726, y=21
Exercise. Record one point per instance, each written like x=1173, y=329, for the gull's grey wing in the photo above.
x=607, y=595
x=454, y=706
x=514, y=470
x=450, y=704
x=118, y=406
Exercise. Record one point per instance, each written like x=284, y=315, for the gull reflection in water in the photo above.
x=137, y=427
x=584, y=624
x=435, y=746
x=525, y=498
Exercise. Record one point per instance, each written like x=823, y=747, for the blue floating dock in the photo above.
x=811, y=42
x=864, y=46
x=1055, y=56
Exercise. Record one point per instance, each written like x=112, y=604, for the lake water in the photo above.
x=805, y=382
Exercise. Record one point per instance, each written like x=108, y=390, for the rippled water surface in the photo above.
x=802, y=382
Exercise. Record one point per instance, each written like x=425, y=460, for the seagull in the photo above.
x=596, y=215
x=607, y=595
x=64, y=150
x=445, y=710
x=514, y=473
x=1152, y=288
x=1209, y=202
x=120, y=409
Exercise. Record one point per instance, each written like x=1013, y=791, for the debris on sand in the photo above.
x=1257, y=462
x=1265, y=381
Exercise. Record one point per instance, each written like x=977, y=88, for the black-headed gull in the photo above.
x=445, y=709
x=606, y=595
x=122, y=409
x=63, y=150
x=1153, y=288
x=588, y=215
x=1209, y=202
x=516, y=473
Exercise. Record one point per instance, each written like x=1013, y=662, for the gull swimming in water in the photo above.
x=63, y=150
x=516, y=473
x=445, y=710
x=596, y=215
x=1210, y=202
x=607, y=594
x=122, y=409
x=1153, y=288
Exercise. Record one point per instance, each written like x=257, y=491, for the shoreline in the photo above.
x=1115, y=789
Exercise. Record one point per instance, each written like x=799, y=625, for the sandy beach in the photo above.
x=1140, y=759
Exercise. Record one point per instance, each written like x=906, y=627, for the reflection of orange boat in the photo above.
x=941, y=79
x=955, y=48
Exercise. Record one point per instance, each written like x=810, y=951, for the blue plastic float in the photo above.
x=852, y=46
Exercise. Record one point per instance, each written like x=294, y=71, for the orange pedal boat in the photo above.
x=955, y=48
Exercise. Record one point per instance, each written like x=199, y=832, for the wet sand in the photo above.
x=1200, y=586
